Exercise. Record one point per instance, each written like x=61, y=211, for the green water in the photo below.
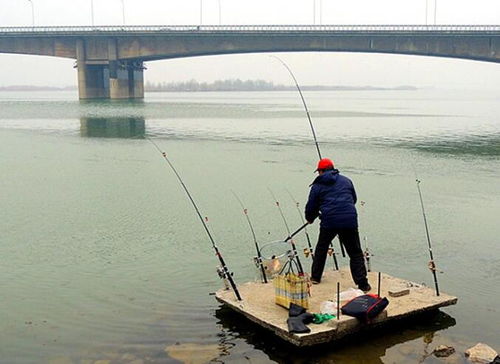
x=104, y=258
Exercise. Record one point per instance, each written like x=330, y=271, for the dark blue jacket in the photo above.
x=332, y=198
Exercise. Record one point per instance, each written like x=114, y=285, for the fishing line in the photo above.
x=259, y=255
x=224, y=273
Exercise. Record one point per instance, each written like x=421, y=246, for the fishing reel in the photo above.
x=222, y=273
x=367, y=257
x=257, y=261
x=432, y=267
x=307, y=252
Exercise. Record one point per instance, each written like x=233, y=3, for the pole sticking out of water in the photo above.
x=432, y=265
x=226, y=274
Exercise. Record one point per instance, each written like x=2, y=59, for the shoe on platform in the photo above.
x=365, y=287
x=313, y=281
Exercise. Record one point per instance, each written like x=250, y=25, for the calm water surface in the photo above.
x=103, y=257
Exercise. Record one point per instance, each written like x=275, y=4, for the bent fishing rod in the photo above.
x=290, y=236
x=432, y=265
x=225, y=271
x=310, y=122
x=303, y=102
x=259, y=255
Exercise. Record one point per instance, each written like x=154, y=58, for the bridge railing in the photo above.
x=250, y=29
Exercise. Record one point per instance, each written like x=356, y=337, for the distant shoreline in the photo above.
x=184, y=87
x=37, y=88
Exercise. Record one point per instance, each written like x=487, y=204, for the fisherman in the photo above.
x=332, y=199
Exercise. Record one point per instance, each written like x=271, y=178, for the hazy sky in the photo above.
x=310, y=68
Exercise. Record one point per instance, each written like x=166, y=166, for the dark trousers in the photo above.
x=349, y=238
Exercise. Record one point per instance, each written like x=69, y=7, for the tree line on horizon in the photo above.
x=249, y=85
x=218, y=85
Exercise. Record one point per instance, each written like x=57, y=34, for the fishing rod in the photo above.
x=432, y=265
x=223, y=271
x=303, y=102
x=280, y=210
x=307, y=251
x=366, y=253
x=310, y=122
x=259, y=255
x=290, y=236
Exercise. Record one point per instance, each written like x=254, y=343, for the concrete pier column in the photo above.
x=126, y=79
x=103, y=75
x=80, y=65
x=136, y=80
x=93, y=77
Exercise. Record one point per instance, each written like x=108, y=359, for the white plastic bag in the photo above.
x=329, y=307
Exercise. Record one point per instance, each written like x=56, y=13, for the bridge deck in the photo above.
x=252, y=29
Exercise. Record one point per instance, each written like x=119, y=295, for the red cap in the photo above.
x=324, y=164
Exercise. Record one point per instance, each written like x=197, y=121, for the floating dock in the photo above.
x=258, y=305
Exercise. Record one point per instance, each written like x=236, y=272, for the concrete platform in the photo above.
x=258, y=306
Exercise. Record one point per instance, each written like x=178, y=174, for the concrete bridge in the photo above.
x=110, y=59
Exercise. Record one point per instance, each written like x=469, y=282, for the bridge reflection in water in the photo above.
x=113, y=127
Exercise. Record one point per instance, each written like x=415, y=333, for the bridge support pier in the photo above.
x=108, y=79
x=126, y=80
